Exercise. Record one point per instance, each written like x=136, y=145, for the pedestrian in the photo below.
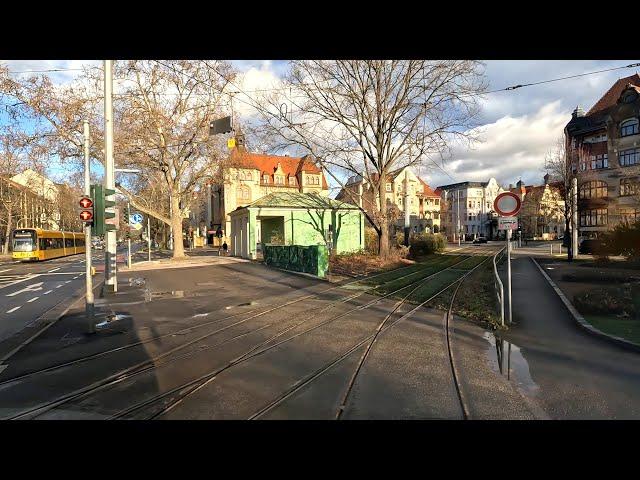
x=224, y=248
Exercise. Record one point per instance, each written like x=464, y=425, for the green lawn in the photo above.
x=627, y=328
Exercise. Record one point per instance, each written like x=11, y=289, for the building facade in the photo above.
x=251, y=176
x=422, y=201
x=603, y=152
x=467, y=209
x=541, y=216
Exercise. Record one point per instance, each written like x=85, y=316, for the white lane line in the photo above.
x=76, y=277
x=68, y=281
x=14, y=309
x=28, y=277
x=33, y=299
x=47, y=292
x=5, y=270
x=53, y=270
x=60, y=286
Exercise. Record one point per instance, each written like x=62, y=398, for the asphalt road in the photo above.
x=27, y=290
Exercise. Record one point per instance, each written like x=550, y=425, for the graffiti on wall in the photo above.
x=313, y=259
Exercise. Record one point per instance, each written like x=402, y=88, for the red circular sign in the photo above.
x=86, y=202
x=86, y=216
x=507, y=204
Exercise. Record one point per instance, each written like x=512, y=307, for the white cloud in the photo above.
x=509, y=149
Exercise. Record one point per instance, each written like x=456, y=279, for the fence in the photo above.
x=313, y=259
x=497, y=283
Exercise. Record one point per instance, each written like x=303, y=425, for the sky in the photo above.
x=516, y=128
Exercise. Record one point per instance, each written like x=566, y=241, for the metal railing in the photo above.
x=497, y=283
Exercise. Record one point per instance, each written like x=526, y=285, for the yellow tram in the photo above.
x=37, y=244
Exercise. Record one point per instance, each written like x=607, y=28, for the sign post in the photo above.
x=508, y=204
x=89, y=300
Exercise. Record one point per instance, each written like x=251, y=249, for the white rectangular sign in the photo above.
x=507, y=223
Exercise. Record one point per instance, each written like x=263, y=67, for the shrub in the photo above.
x=370, y=240
x=425, y=244
x=624, y=239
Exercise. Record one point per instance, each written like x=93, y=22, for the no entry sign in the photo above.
x=507, y=204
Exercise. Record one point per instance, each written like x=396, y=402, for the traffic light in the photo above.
x=100, y=214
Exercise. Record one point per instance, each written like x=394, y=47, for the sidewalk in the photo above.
x=573, y=374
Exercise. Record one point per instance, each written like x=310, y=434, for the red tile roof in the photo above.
x=267, y=164
x=613, y=94
x=427, y=190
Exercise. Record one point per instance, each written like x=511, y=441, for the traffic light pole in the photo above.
x=89, y=300
x=111, y=281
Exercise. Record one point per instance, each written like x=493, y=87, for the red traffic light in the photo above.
x=86, y=216
x=86, y=202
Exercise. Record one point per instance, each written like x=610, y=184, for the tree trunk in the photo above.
x=383, y=235
x=176, y=226
x=5, y=247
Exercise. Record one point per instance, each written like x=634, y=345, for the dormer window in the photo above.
x=629, y=127
x=278, y=179
x=265, y=178
x=293, y=181
x=629, y=97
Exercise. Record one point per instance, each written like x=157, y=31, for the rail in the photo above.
x=497, y=283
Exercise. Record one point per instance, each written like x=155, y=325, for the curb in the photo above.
x=49, y=318
x=580, y=319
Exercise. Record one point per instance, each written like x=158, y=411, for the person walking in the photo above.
x=224, y=248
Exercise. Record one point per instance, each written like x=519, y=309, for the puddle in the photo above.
x=507, y=359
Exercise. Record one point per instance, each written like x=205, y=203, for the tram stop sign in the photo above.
x=507, y=204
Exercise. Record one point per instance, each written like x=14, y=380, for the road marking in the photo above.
x=47, y=292
x=6, y=270
x=54, y=269
x=28, y=277
x=14, y=309
x=33, y=299
x=68, y=281
x=76, y=277
x=60, y=286
x=28, y=288
x=2, y=367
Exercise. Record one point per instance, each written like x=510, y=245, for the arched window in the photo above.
x=243, y=194
x=593, y=189
x=629, y=127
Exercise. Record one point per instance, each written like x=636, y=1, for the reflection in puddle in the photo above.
x=506, y=358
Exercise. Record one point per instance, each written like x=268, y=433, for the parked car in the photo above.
x=480, y=240
x=591, y=246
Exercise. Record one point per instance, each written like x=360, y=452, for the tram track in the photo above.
x=150, y=364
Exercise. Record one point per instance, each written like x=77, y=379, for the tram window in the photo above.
x=68, y=242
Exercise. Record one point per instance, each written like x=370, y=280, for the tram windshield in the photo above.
x=24, y=241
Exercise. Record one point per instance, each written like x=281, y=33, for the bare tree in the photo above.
x=371, y=117
x=162, y=111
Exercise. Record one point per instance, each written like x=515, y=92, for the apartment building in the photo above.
x=251, y=176
x=603, y=151
x=468, y=206
x=423, y=202
x=541, y=216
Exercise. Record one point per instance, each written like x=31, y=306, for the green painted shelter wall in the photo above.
x=313, y=259
x=307, y=227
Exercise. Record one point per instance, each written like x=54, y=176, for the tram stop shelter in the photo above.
x=294, y=218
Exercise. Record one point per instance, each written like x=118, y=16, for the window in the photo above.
x=593, y=218
x=437, y=202
x=278, y=179
x=436, y=215
x=629, y=127
x=293, y=181
x=629, y=157
x=629, y=215
x=630, y=97
x=629, y=187
x=593, y=189
x=388, y=187
x=243, y=194
x=595, y=162
x=265, y=178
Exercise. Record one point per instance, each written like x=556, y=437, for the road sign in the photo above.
x=507, y=204
x=507, y=223
x=136, y=218
x=86, y=202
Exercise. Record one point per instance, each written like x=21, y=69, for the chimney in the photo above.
x=578, y=112
x=546, y=179
x=519, y=184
